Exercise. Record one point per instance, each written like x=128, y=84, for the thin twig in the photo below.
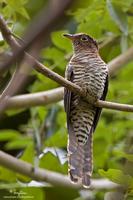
x=114, y=106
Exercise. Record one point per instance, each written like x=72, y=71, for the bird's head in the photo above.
x=82, y=42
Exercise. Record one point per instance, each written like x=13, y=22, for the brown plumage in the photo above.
x=88, y=70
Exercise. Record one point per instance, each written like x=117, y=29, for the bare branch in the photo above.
x=53, y=96
x=52, y=178
x=114, y=106
x=35, y=99
x=120, y=61
x=6, y=33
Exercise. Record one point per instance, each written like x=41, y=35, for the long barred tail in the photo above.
x=88, y=161
x=80, y=159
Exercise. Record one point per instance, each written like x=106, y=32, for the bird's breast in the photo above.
x=90, y=73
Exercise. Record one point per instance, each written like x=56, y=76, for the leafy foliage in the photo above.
x=118, y=176
x=36, y=129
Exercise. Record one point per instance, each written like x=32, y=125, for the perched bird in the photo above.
x=87, y=70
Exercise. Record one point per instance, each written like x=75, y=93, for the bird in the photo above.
x=87, y=70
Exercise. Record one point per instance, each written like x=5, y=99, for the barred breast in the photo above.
x=90, y=74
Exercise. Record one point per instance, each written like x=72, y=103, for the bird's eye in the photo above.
x=84, y=38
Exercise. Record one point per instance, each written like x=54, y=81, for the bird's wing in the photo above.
x=68, y=93
x=98, y=110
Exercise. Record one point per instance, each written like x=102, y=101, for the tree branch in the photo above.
x=114, y=106
x=35, y=99
x=55, y=95
x=52, y=178
x=120, y=61
x=116, y=63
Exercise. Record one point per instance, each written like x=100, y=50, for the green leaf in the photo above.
x=59, y=139
x=14, y=112
x=79, y=4
x=117, y=176
x=27, y=156
x=24, y=13
x=56, y=55
x=8, y=134
x=122, y=154
x=13, y=7
x=100, y=152
x=18, y=143
x=118, y=16
x=51, y=162
x=42, y=84
x=60, y=42
x=7, y=175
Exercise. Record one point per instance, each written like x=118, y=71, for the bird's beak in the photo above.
x=70, y=36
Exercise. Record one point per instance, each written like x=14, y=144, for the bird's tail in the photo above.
x=80, y=160
x=88, y=161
